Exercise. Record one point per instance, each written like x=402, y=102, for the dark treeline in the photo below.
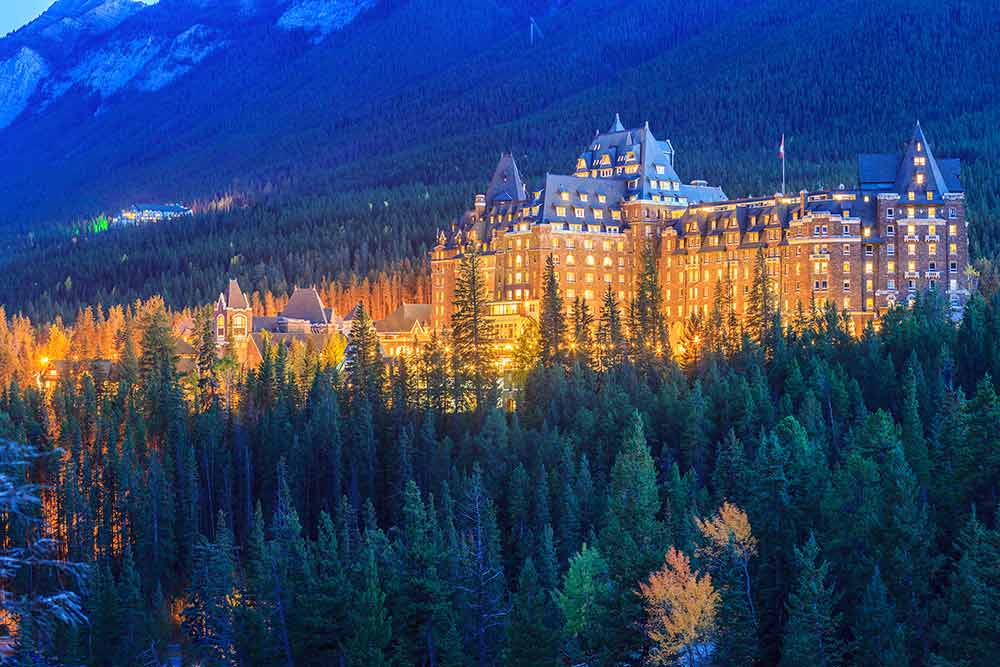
x=785, y=494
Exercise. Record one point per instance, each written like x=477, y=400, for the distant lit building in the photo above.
x=142, y=213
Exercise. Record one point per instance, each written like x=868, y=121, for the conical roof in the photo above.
x=919, y=171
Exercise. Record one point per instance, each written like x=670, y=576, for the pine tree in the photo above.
x=633, y=534
x=761, y=306
x=370, y=622
x=582, y=333
x=532, y=641
x=473, y=334
x=207, y=358
x=969, y=635
x=582, y=601
x=912, y=433
x=551, y=321
x=648, y=323
x=811, y=633
x=365, y=371
x=208, y=617
x=879, y=641
x=610, y=337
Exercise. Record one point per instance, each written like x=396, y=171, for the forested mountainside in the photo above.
x=787, y=494
x=407, y=107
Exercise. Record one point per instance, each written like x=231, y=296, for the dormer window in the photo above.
x=920, y=147
x=602, y=198
x=660, y=169
x=578, y=212
x=583, y=196
x=920, y=179
x=564, y=195
x=919, y=161
x=930, y=195
x=911, y=195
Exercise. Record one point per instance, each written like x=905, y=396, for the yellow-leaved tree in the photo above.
x=728, y=536
x=680, y=611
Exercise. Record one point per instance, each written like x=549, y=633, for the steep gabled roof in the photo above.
x=305, y=304
x=506, y=184
x=910, y=171
x=235, y=297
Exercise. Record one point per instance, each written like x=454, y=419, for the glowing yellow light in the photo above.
x=45, y=361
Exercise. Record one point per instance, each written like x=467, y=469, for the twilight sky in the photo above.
x=15, y=13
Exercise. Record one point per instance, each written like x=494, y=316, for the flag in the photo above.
x=781, y=148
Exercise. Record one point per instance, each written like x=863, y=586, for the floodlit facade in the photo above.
x=900, y=232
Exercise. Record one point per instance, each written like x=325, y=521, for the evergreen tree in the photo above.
x=582, y=333
x=610, y=337
x=762, y=307
x=879, y=641
x=208, y=617
x=370, y=623
x=532, y=641
x=811, y=633
x=473, y=334
x=551, y=321
x=633, y=534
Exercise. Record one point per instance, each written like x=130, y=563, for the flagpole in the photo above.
x=782, y=165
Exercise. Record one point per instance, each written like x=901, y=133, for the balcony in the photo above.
x=909, y=238
x=932, y=237
x=933, y=274
x=912, y=274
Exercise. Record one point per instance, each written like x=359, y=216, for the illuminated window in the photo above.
x=561, y=211
x=598, y=214
x=221, y=326
x=869, y=267
x=920, y=179
x=911, y=230
x=952, y=229
x=602, y=198
x=912, y=196
x=847, y=267
x=578, y=212
x=891, y=266
x=911, y=266
x=911, y=249
x=952, y=248
x=931, y=212
x=564, y=196
x=930, y=195
x=570, y=260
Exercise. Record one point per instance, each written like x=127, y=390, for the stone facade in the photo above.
x=901, y=231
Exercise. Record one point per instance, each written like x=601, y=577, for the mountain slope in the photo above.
x=409, y=104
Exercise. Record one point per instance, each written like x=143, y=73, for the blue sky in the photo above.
x=15, y=13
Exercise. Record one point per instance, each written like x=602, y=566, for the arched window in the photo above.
x=240, y=325
x=220, y=323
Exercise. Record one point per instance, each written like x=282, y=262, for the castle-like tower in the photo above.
x=233, y=315
x=901, y=231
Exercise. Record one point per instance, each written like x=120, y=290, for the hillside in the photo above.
x=413, y=98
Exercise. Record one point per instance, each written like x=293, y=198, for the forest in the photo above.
x=777, y=493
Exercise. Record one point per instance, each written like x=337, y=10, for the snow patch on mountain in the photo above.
x=187, y=50
x=322, y=16
x=108, y=70
x=19, y=79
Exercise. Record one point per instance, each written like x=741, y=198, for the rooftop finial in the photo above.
x=617, y=126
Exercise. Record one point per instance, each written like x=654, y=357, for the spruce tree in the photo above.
x=532, y=641
x=811, y=632
x=551, y=321
x=610, y=336
x=879, y=641
x=761, y=306
x=473, y=334
x=582, y=333
x=370, y=623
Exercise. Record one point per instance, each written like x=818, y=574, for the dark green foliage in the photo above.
x=366, y=520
